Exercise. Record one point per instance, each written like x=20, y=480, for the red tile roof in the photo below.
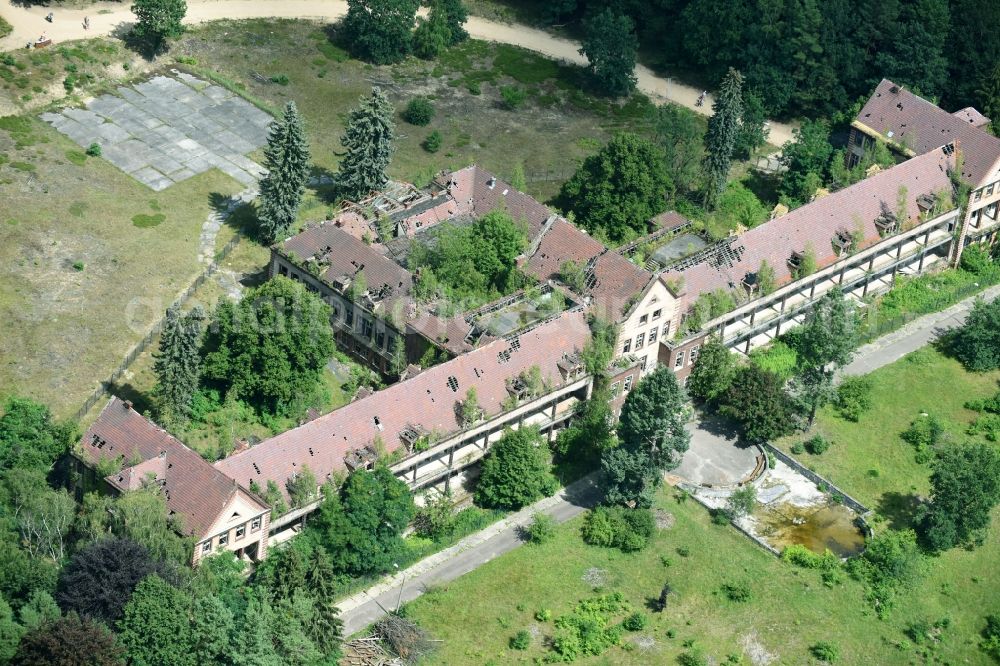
x=561, y=243
x=618, y=283
x=195, y=491
x=669, y=220
x=427, y=401
x=478, y=192
x=972, y=116
x=817, y=222
x=922, y=126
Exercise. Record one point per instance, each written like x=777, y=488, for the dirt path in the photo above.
x=29, y=23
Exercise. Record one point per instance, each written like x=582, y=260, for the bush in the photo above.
x=739, y=592
x=418, y=112
x=801, y=556
x=817, y=445
x=541, y=529
x=976, y=259
x=636, y=622
x=991, y=637
x=512, y=96
x=854, y=397
x=741, y=502
x=521, y=640
x=543, y=615
x=619, y=527
x=78, y=265
x=824, y=651
x=798, y=448
x=433, y=142
x=94, y=150
x=924, y=434
x=977, y=343
x=693, y=657
x=280, y=79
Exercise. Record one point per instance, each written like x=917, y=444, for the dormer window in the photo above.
x=887, y=223
x=926, y=202
x=795, y=261
x=842, y=241
x=750, y=282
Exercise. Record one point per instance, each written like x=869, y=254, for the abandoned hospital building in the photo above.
x=521, y=353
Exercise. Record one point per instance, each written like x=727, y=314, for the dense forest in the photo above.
x=815, y=57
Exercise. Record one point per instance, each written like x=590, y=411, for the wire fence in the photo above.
x=105, y=386
x=875, y=326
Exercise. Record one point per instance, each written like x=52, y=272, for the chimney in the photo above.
x=128, y=404
x=492, y=182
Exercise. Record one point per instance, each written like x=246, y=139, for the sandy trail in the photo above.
x=29, y=23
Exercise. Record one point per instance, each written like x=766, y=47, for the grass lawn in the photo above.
x=80, y=282
x=791, y=610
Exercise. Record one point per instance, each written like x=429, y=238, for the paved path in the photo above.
x=29, y=23
x=918, y=333
x=467, y=555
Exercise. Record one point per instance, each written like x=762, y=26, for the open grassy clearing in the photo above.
x=790, y=609
x=83, y=272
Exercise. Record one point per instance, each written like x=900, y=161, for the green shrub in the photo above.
x=521, y=640
x=432, y=143
x=512, y=97
x=588, y=629
x=144, y=221
x=817, y=445
x=854, y=397
x=280, y=79
x=94, y=150
x=991, y=637
x=541, y=529
x=419, y=111
x=778, y=357
x=619, y=527
x=824, y=651
x=924, y=433
x=693, y=657
x=976, y=259
x=78, y=265
x=739, y=592
x=69, y=83
x=543, y=615
x=798, y=448
x=635, y=622
x=801, y=556
x=474, y=88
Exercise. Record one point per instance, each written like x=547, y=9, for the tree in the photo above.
x=326, y=629
x=611, y=48
x=99, y=579
x=10, y=632
x=578, y=448
x=988, y=95
x=457, y=15
x=253, y=644
x=286, y=157
x=293, y=615
x=712, y=373
x=432, y=35
x=741, y=502
x=651, y=437
x=140, y=515
x=615, y=192
x=360, y=527
x=806, y=158
x=470, y=410
x=680, y=134
x=20, y=574
x=29, y=438
x=271, y=348
x=976, y=344
x=368, y=147
x=891, y=562
x=653, y=419
x=43, y=516
x=915, y=53
x=757, y=401
x=824, y=343
x=69, y=641
x=380, y=30
x=155, y=628
x=177, y=363
x=302, y=487
x=40, y=609
x=753, y=126
x=723, y=130
x=739, y=207
x=515, y=472
x=965, y=486
x=157, y=21
x=212, y=627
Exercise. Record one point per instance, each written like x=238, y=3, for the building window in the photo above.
x=643, y=319
x=652, y=334
x=639, y=341
x=979, y=195
x=656, y=314
x=679, y=361
x=380, y=339
x=627, y=386
x=255, y=524
x=627, y=347
x=642, y=366
x=241, y=532
x=614, y=389
x=349, y=318
x=989, y=190
x=336, y=310
x=206, y=547
x=283, y=270
x=366, y=328
x=223, y=539
x=666, y=329
x=694, y=354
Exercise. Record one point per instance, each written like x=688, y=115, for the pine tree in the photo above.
x=723, y=129
x=368, y=140
x=253, y=644
x=287, y=159
x=177, y=364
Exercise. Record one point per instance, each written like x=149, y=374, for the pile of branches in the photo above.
x=404, y=638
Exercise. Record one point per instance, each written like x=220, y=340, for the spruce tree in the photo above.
x=177, y=363
x=287, y=159
x=368, y=140
x=723, y=130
